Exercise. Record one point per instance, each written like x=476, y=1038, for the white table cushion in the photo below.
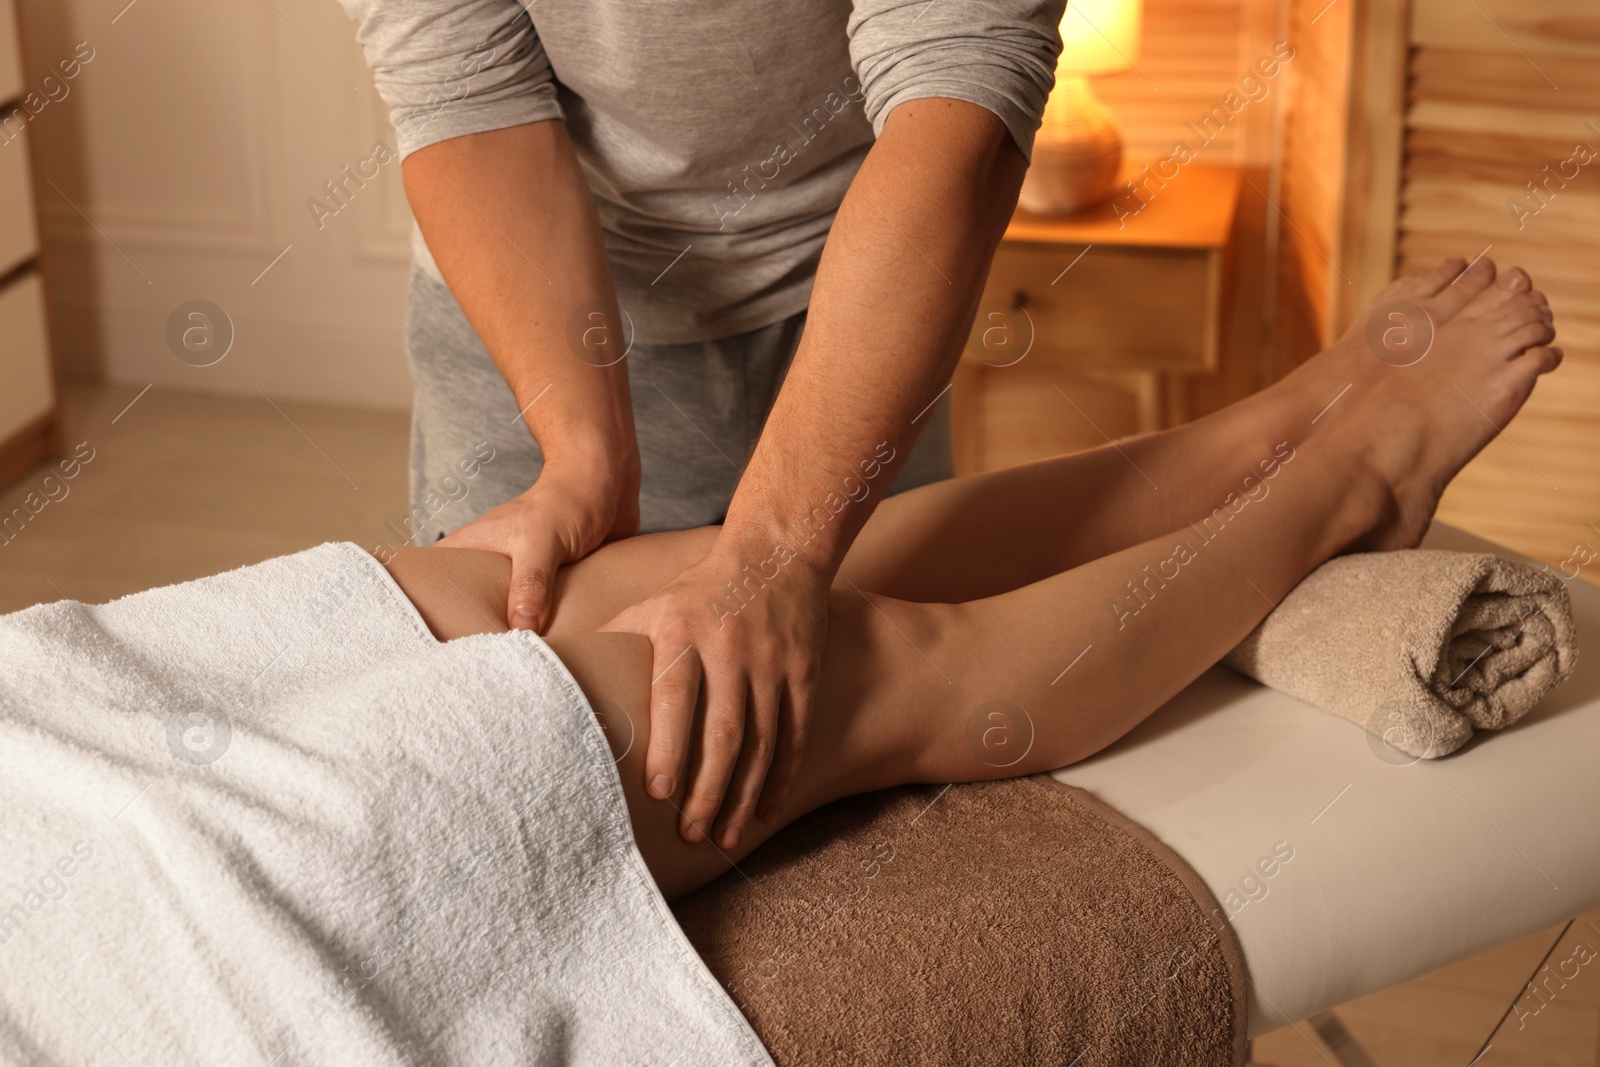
x=1398, y=867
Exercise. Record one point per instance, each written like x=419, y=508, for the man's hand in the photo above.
x=493, y=206
x=747, y=625
x=570, y=511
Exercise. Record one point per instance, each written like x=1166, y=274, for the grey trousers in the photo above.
x=698, y=410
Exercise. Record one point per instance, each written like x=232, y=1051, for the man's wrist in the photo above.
x=592, y=451
x=796, y=549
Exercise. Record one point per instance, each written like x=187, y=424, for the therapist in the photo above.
x=635, y=222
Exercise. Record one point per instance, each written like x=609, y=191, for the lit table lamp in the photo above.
x=1078, y=151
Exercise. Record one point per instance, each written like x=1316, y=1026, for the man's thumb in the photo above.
x=533, y=573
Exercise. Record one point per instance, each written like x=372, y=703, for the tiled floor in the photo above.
x=182, y=486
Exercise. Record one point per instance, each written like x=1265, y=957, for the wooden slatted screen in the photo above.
x=1500, y=91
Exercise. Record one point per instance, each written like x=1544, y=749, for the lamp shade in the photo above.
x=1100, y=36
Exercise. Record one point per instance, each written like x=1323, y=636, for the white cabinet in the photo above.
x=29, y=420
x=19, y=233
x=28, y=392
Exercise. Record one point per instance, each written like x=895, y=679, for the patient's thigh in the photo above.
x=613, y=670
x=462, y=591
x=591, y=592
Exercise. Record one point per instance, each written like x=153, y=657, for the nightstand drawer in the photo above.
x=1138, y=308
x=19, y=234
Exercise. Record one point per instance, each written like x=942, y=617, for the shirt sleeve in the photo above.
x=448, y=68
x=998, y=54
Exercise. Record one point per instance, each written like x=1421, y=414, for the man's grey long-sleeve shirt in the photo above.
x=718, y=136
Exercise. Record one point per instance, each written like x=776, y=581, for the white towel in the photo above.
x=264, y=818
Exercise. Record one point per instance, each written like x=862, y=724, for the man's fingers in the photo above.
x=755, y=757
x=795, y=714
x=534, y=563
x=674, y=690
x=721, y=737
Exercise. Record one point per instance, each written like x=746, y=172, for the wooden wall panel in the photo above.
x=1312, y=195
x=1192, y=53
x=1314, y=150
x=1498, y=94
x=1544, y=28
x=1341, y=160
x=1498, y=77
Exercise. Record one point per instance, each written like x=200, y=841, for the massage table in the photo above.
x=355, y=837
x=1399, y=866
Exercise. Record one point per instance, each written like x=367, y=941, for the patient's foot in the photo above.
x=1418, y=425
x=1330, y=381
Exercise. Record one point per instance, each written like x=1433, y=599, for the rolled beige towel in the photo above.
x=1420, y=647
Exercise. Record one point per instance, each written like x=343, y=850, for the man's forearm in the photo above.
x=896, y=291
x=511, y=223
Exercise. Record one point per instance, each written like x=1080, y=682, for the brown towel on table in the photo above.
x=1418, y=646
x=995, y=923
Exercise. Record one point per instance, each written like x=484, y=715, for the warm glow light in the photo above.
x=1100, y=36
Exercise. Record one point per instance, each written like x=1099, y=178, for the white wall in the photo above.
x=191, y=144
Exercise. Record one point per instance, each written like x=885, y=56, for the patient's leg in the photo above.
x=977, y=536
x=908, y=690
x=937, y=693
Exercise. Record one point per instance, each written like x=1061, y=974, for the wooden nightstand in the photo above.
x=1132, y=306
